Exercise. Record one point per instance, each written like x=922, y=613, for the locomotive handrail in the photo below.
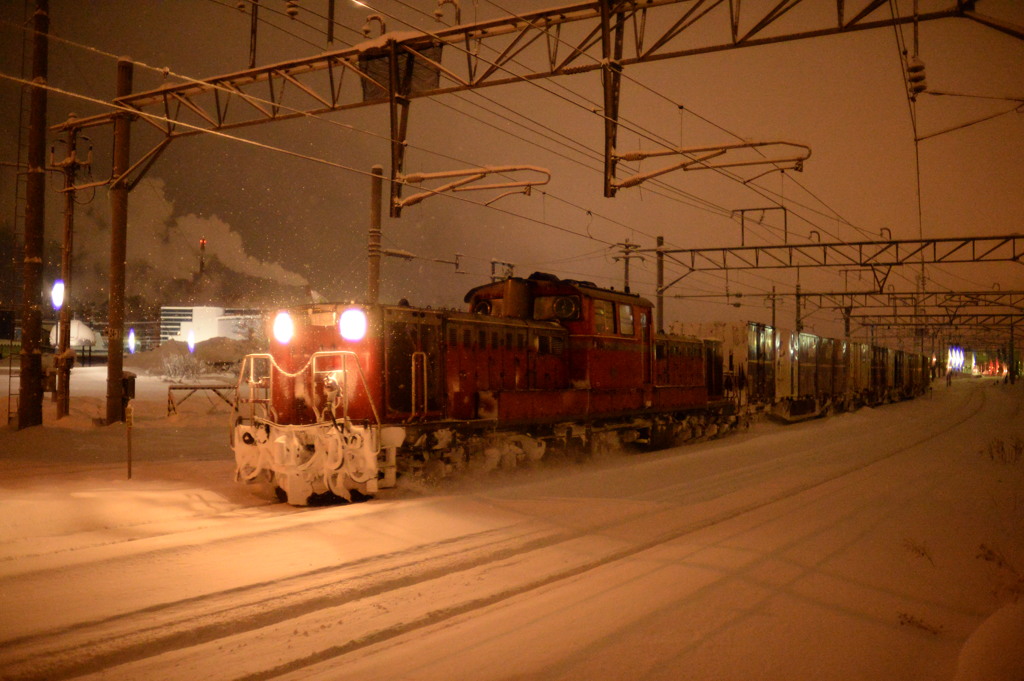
x=422, y=356
x=345, y=355
x=249, y=361
x=310, y=365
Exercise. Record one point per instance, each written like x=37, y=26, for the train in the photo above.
x=350, y=396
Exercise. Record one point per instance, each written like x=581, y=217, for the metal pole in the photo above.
x=118, y=250
x=30, y=404
x=253, y=25
x=799, y=322
x=64, y=361
x=376, y=193
x=626, y=251
x=661, y=286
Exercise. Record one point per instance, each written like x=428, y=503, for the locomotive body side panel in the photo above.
x=413, y=364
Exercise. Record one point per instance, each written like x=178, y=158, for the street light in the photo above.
x=57, y=294
x=62, y=394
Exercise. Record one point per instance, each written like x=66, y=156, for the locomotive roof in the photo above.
x=586, y=288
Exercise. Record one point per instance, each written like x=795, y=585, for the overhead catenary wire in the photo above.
x=339, y=165
x=272, y=148
x=556, y=198
x=650, y=135
x=720, y=209
x=165, y=72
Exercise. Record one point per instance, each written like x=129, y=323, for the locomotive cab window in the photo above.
x=604, y=317
x=626, y=319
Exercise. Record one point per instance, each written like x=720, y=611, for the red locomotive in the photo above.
x=349, y=395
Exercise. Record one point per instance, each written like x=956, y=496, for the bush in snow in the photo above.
x=181, y=368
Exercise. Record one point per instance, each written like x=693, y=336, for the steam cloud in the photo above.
x=163, y=256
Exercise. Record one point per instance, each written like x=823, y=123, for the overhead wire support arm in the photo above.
x=1013, y=300
x=465, y=178
x=711, y=158
x=954, y=318
x=395, y=68
x=877, y=255
x=507, y=39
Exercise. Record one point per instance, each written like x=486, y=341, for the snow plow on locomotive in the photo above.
x=349, y=396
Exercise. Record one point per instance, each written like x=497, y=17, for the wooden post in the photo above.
x=30, y=390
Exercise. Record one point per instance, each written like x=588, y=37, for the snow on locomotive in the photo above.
x=349, y=395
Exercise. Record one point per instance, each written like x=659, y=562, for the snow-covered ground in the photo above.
x=887, y=543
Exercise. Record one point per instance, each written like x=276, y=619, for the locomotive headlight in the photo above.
x=352, y=324
x=284, y=328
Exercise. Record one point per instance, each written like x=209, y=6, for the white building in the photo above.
x=207, y=322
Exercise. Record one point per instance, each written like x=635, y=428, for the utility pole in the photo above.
x=376, y=193
x=628, y=254
x=69, y=166
x=118, y=249
x=30, y=404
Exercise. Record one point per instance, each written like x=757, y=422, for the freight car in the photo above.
x=796, y=376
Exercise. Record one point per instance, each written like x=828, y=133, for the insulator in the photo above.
x=291, y=8
x=241, y=5
x=916, y=75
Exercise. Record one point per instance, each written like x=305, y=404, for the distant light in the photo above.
x=284, y=327
x=131, y=341
x=57, y=294
x=191, y=340
x=352, y=325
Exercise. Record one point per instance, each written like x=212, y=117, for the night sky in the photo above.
x=303, y=220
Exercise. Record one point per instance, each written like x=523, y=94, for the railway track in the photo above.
x=276, y=626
